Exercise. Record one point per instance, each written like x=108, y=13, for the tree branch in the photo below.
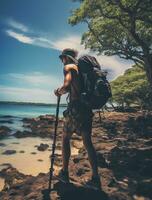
x=93, y=32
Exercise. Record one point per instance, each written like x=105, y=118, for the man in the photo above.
x=78, y=117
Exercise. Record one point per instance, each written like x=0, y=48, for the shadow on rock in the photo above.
x=135, y=165
x=125, y=161
x=74, y=192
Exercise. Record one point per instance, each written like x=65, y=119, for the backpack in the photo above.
x=95, y=89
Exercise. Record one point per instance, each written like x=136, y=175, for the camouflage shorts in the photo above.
x=77, y=118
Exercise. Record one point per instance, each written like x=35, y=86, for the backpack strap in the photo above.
x=94, y=62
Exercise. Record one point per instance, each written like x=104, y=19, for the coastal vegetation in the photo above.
x=132, y=89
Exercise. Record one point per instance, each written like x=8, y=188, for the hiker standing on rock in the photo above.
x=78, y=117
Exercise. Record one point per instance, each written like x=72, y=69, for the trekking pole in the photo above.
x=54, y=143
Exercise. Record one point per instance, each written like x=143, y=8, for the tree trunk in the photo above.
x=148, y=67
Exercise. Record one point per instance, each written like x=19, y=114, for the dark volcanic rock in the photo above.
x=42, y=147
x=43, y=126
x=15, y=143
x=2, y=144
x=131, y=161
x=124, y=156
x=141, y=125
x=80, y=171
x=144, y=188
x=6, y=165
x=47, y=118
x=9, y=152
x=12, y=177
x=101, y=160
x=4, y=131
x=7, y=116
x=6, y=121
x=40, y=160
x=33, y=153
x=77, y=159
x=29, y=120
x=22, y=134
x=21, y=151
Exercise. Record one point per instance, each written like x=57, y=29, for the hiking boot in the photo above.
x=94, y=183
x=63, y=176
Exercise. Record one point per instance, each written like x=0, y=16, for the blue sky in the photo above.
x=32, y=35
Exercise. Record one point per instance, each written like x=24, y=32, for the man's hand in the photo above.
x=56, y=92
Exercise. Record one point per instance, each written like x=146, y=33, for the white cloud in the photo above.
x=58, y=44
x=34, y=79
x=26, y=94
x=20, y=37
x=34, y=95
x=33, y=87
x=16, y=25
x=43, y=42
x=71, y=41
x=32, y=40
x=26, y=35
x=113, y=64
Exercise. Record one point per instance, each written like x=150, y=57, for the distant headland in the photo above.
x=31, y=103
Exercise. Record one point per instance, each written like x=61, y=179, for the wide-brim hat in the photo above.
x=71, y=53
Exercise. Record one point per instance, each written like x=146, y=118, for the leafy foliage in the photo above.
x=132, y=88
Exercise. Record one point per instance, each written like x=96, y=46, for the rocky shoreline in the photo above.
x=123, y=142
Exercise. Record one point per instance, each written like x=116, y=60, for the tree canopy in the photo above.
x=118, y=27
x=132, y=88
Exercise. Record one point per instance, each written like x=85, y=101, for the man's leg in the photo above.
x=66, y=150
x=86, y=136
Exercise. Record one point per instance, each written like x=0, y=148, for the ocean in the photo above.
x=11, y=114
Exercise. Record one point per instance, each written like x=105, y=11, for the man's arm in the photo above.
x=67, y=80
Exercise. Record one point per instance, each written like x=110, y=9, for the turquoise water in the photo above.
x=11, y=115
x=27, y=110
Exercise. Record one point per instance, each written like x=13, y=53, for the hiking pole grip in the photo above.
x=54, y=142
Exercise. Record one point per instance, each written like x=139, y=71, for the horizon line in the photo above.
x=24, y=102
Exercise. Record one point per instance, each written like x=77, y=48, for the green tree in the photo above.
x=132, y=88
x=118, y=27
